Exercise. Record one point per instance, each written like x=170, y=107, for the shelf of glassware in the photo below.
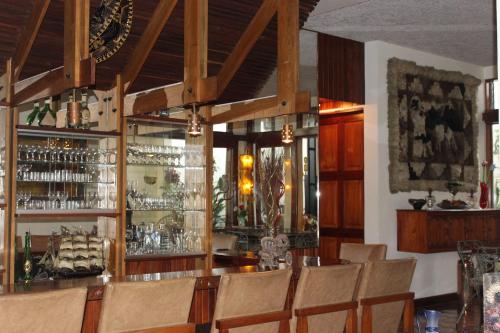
x=75, y=133
x=65, y=176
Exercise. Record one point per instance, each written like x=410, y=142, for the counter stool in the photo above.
x=360, y=253
x=252, y=303
x=147, y=306
x=383, y=293
x=324, y=299
x=45, y=312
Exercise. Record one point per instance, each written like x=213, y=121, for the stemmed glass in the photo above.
x=112, y=197
x=26, y=198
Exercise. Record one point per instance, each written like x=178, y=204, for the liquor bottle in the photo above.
x=32, y=116
x=85, y=117
x=28, y=263
x=47, y=117
x=74, y=120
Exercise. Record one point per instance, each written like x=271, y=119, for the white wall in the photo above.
x=435, y=273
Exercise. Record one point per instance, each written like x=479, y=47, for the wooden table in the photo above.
x=234, y=258
x=204, y=299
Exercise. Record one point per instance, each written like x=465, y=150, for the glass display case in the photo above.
x=165, y=206
x=59, y=173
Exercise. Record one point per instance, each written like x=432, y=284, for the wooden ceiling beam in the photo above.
x=245, y=44
x=266, y=107
x=154, y=100
x=288, y=55
x=76, y=42
x=148, y=40
x=196, y=86
x=52, y=83
x=28, y=36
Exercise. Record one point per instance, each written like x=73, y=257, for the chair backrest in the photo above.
x=130, y=306
x=252, y=294
x=360, y=253
x=51, y=311
x=381, y=278
x=323, y=286
x=223, y=241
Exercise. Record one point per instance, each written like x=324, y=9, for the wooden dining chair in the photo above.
x=383, y=294
x=324, y=300
x=253, y=303
x=360, y=253
x=150, y=306
x=51, y=311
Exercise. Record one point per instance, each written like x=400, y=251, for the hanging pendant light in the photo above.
x=287, y=133
x=194, y=123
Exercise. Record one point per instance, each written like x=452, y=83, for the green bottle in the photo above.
x=28, y=263
x=32, y=116
x=47, y=117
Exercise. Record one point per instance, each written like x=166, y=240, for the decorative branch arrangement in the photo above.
x=272, y=188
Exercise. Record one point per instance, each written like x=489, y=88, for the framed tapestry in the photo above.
x=433, y=128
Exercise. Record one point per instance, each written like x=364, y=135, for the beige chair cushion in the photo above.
x=323, y=286
x=250, y=294
x=385, y=277
x=129, y=306
x=51, y=311
x=360, y=253
x=223, y=241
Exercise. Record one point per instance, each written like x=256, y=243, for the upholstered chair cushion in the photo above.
x=385, y=277
x=51, y=311
x=322, y=286
x=360, y=253
x=130, y=306
x=251, y=294
x=223, y=241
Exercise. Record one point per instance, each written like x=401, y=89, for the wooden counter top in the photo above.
x=205, y=278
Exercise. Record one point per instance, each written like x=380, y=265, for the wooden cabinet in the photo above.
x=439, y=231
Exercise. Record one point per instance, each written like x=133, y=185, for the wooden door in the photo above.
x=341, y=165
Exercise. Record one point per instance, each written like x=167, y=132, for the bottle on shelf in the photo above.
x=33, y=115
x=85, y=117
x=28, y=263
x=47, y=116
x=73, y=113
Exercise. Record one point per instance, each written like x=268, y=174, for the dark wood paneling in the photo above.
x=329, y=207
x=161, y=264
x=439, y=231
x=353, y=151
x=341, y=154
x=353, y=204
x=341, y=69
x=328, y=148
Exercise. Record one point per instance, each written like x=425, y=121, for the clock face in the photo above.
x=109, y=28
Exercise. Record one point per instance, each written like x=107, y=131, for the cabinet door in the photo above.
x=444, y=232
x=341, y=180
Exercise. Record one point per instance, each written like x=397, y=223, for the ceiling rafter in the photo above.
x=28, y=36
x=147, y=41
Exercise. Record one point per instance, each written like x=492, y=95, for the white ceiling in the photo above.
x=459, y=29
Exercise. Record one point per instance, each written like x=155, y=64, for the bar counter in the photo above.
x=204, y=298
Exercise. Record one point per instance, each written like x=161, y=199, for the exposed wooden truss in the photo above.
x=197, y=88
x=28, y=37
x=146, y=43
x=79, y=68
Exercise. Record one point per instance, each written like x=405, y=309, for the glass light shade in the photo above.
x=194, y=124
x=246, y=186
x=246, y=161
x=287, y=133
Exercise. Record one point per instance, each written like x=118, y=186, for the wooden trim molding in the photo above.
x=408, y=314
x=224, y=325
